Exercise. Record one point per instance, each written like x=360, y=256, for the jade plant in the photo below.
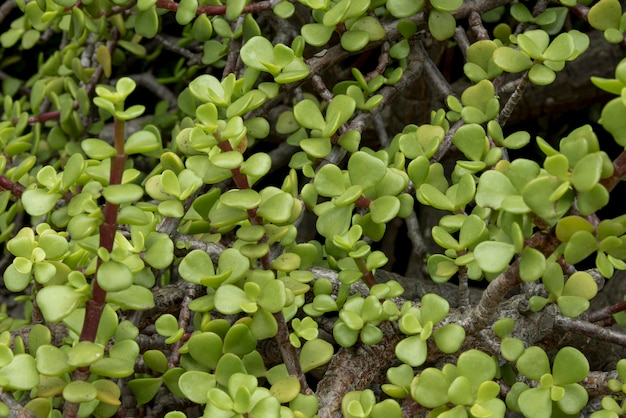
x=312, y=208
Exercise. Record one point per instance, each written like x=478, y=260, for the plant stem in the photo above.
x=368, y=278
x=288, y=353
x=108, y=229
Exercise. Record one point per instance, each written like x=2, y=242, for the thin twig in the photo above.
x=506, y=112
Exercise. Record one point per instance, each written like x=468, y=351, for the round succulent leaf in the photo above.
x=308, y=115
x=231, y=299
x=51, y=361
x=503, y=327
x=277, y=209
x=145, y=389
x=580, y=246
x=572, y=306
x=79, y=391
x=493, y=188
x=511, y=348
x=569, y=225
x=537, y=303
x=238, y=340
x=570, y=366
x=155, y=360
x=493, y=256
x=470, y=139
x=536, y=402
x=561, y=48
x=477, y=366
x=21, y=373
x=460, y=391
x=354, y=40
x=195, y=266
x=434, y=308
x=316, y=147
x=532, y=264
x=403, y=8
x=257, y=52
x=533, y=363
x=195, y=385
x=365, y=170
x=574, y=399
x=339, y=111
x=432, y=196
x=114, y=276
x=315, y=353
x=108, y=392
x=412, y=351
x=329, y=181
x=441, y=268
x=593, y=200
x=317, y=34
x=38, y=202
x=449, y=338
x=384, y=209
x=472, y=229
x=257, y=165
x=447, y=5
x=58, y=301
x=241, y=198
x=431, y=390
x=581, y=284
x=511, y=60
x=286, y=389
x=166, y=325
x=537, y=196
x=441, y=25
x=541, y=75
x=605, y=14
x=205, y=348
x=418, y=170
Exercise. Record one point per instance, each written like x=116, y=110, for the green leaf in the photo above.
x=308, y=115
x=493, y=256
x=536, y=403
x=196, y=384
x=449, y=338
x=114, y=276
x=79, y=391
x=471, y=140
x=541, y=75
x=493, y=188
x=572, y=306
x=365, y=170
x=605, y=14
x=20, y=374
x=533, y=363
x=412, y=351
x=511, y=60
x=431, y=390
x=581, y=245
x=58, y=301
x=403, y=8
x=570, y=366
x=532, y=265
x=38, y=202
x=339, y=111
x=186, y=11
x=51, y=361
x=354, y=40
x=441, y=25
x=315, y=353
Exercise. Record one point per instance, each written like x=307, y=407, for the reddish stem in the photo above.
x=607, y=312
x=368, y=277
x=95, y=305
x=15, y=188
x=215, y=10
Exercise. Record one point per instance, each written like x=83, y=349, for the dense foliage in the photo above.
x=198, y=203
